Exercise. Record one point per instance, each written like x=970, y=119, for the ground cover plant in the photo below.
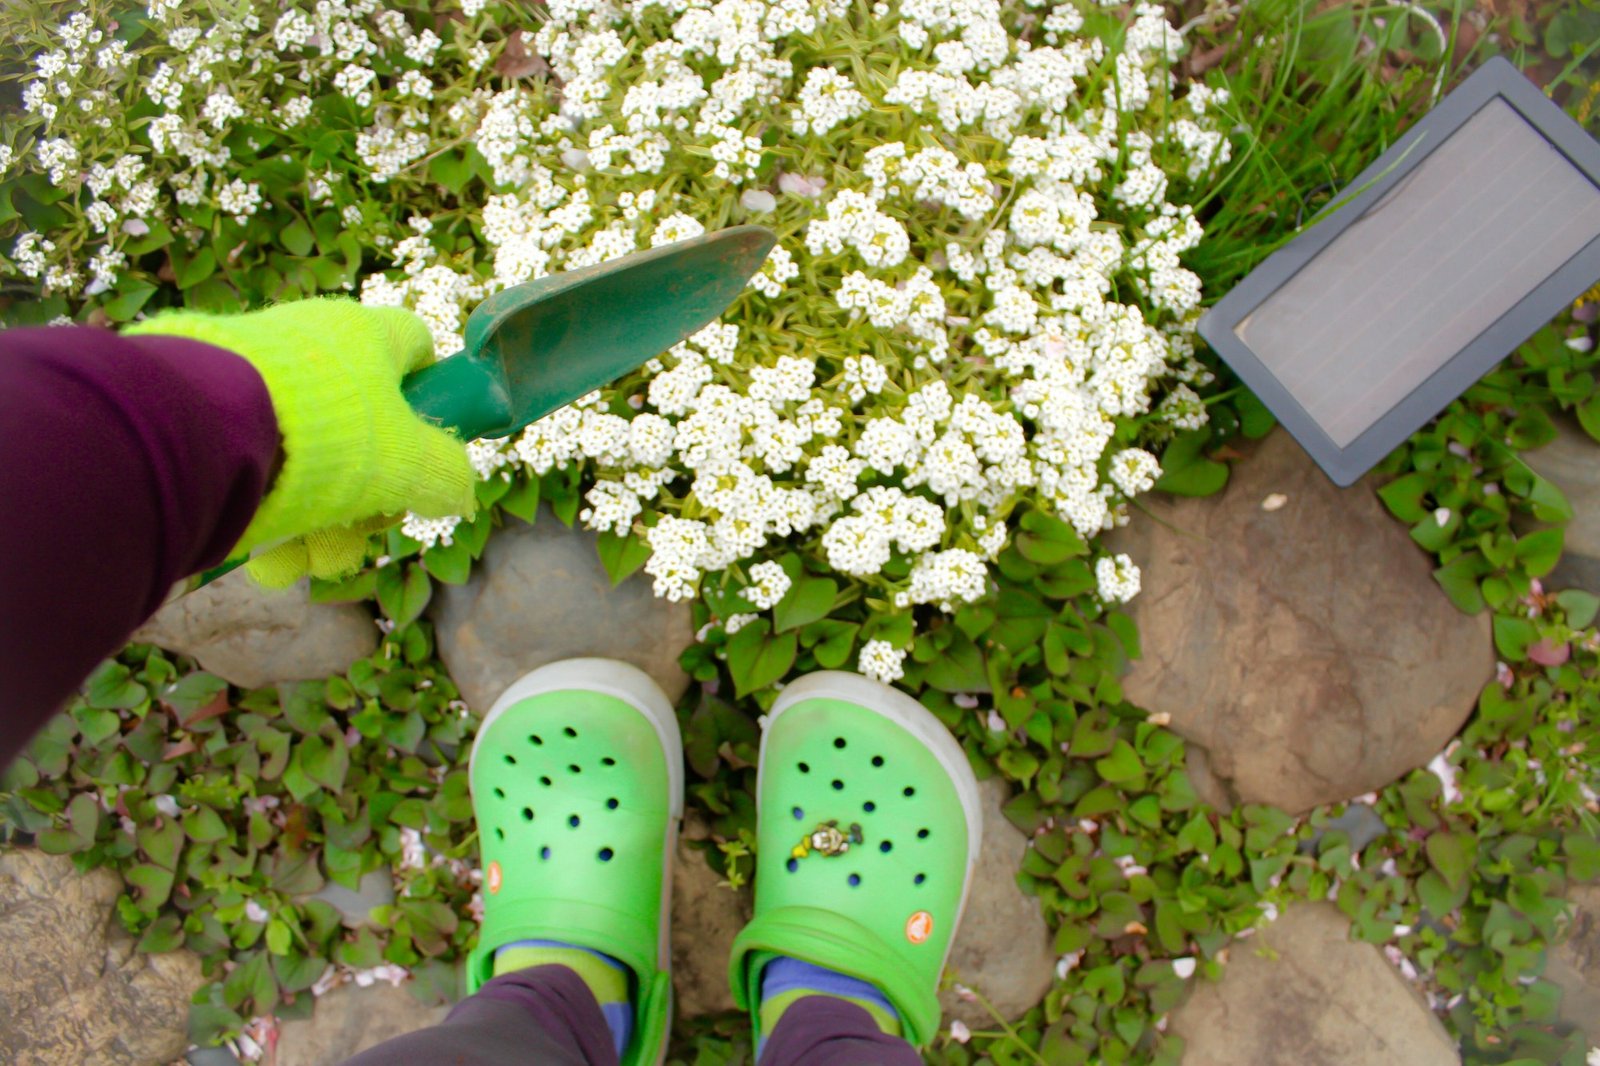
x=896, y=453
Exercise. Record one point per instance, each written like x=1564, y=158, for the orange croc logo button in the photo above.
x=919, y=927
x=493, y=879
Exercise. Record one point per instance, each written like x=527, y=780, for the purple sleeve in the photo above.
x=126, y=464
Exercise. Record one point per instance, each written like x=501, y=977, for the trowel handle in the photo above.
x=461, y=393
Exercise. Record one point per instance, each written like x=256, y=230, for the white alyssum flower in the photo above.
x=768, y=584
x=1117, y=578
x=881, y=661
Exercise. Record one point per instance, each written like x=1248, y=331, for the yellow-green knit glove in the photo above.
x=355, y=455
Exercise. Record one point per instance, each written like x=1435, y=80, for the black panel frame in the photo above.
x=1496, y=79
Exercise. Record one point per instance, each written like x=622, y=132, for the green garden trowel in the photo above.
x=538, y=346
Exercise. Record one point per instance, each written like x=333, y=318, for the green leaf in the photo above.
x=450, y=563
x=1579, y=605
x=1121, y=766
x=1187, y=472
x=1046, y=527
x=279, y=938
x=808, y=600
x=96, y=725
x=162, y=935
x=1437, y=896
x=403, y=595
x=1540, y=551
x=1404, y=497
x=324, y=761
x=959, y=668
x=1451, y=854
x=130, y=298
x=154, y=884
x=1513, y=635
x=1459, y=579
x=162, y=845
x=1549, y=503
x=837, y=641
x=196, y=269
x=83, y=823
x=204, y=826
x=1588, y=414
x=756, y=659
x=112, y=687
x=1255, y=421
x=1583, y=856
x=297, y=238
x=622, y=555
x=523, y=499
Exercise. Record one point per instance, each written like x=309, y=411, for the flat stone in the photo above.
x=1307, y=648
x=350, y=1019
x=1574, y=963
x=538, y=595
x=1323, y=1001
x=375, y=889
x=251, y=636
x=1359, y=822
x=1572, y=463
x=72, y=985
x=1003, y=948
x=706, y=916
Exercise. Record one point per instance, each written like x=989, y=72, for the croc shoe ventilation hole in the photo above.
x=854, y=880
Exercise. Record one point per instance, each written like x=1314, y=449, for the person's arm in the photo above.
x=126, y=464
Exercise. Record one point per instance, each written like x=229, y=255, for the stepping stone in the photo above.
x=1003, y=948
x=351, y=1019
x=1574, y=964
x=73, y=988
x=539, y=594
x=1323, y=1001
x=706, y=916
x=1572, y=463
x=1302, y=641
x=252, y=636
x=374, y=889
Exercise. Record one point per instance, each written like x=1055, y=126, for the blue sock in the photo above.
x=784, y=981
x=606, y=977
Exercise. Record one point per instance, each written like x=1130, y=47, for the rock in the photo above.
x=539, y=594
x=1359, y=822
x=1323, y=1001
x=73, y=987
x=1003, y=948
x=1574, y=964
x=375, y=889
x=351, y=1019
x=253, y=636
x=706, y=917
x=1572, y=463
x=1307, y=647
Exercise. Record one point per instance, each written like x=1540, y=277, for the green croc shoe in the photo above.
x=577, y=785
x=869, y=826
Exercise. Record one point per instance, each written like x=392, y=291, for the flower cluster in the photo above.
x=977, y=301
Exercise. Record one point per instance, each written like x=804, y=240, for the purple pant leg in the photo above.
x=544, y=1014
x=824, y=1031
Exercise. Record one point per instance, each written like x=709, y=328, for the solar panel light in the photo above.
x=1475, y=229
